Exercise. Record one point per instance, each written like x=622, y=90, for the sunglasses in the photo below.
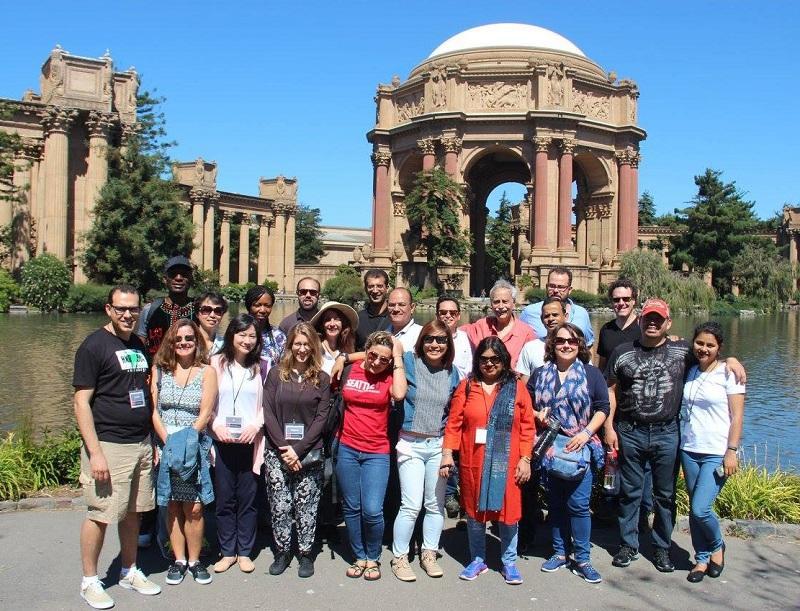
x=452, y=313
x=312, y=292
x=439, y=339
x=558, y=287
x=218, y=310
x=571, y=341
x=489, y=360
x=120, y=310
x=184, y=339
x=374, y=356
x=621, y=299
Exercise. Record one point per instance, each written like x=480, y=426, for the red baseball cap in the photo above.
x=659, y=306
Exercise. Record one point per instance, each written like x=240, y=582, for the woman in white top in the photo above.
x=336, y=324
x=712, y=414
x=237, y=429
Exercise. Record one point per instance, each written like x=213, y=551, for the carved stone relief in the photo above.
x=497, y=96
x=410, y=106
x=591, y=104
x=555, y=85
x=439, y=88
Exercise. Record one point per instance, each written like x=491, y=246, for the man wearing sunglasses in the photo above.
x=308, y=301
x=114, y=415
x=623, y=295
x=559, y=284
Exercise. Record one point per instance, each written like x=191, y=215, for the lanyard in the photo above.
x=233, y=384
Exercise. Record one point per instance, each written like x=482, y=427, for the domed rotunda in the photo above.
x=501, y=103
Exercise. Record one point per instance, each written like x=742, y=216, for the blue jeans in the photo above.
x=362, y=480
x=418, y=464
x=476, y=535
x=640, y=444
x=569, y=516
x=703, y=485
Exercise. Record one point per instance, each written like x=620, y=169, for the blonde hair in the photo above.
x=288, y=362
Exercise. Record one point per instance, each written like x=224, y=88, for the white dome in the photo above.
x=506, y=35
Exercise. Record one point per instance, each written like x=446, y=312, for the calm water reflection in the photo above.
x=36, y=360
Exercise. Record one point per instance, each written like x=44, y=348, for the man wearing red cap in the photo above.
x=645, y=379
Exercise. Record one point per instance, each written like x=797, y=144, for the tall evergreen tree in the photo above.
x=308, y=249
x=138, y=220
x=498, y=243
x=718, y=225
x=647, y=209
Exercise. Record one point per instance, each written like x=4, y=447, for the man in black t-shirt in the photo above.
x=114, y=414
x=375, y=316
x=624, y=327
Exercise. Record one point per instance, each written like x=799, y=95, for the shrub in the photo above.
x=8, y=290
x=205, y=280
x=45, y=282
x=270, y=284
x=535, y=294
x=86, y=298
x=235, y=293
x=418, y=294
x=346, y=286
x=588, y=300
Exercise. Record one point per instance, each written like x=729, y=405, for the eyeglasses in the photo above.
x=374, y=356
x=558, y=287
x=206, y=310
x=439, y=339
x=489, y=360
x=571, y=341
x=312, y=292
x=120, y=310
x=452, y=313
x=621, y=299
x=184, y=339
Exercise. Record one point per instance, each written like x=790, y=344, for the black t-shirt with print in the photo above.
x=649, y=380
x=113, y=367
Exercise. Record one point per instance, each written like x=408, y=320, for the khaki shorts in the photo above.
x=130, y=487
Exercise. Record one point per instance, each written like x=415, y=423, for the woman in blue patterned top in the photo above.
x=184, y=390
x=259, y=301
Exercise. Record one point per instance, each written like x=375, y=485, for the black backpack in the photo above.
x=333, y=424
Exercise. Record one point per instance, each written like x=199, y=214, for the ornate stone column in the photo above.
x=225, y=249
x=198, y=201
x=208, y=236
x=263, y=248
x=539, y=216
x=382, y=201
x=427, y=147
x=57, y=122
x=625, y=209
x=565, y=194
x=452, y=148
x=17, y=212
x=288, y=261
x=633, y=229
x=244, y=250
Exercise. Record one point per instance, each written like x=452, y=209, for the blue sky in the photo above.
x=265, y=88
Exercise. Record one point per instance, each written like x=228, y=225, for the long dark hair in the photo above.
x=584, y=356
x=496, y=345
x=253, y=295
x=237, y=325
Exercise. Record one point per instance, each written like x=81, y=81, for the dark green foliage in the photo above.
x=235, y=293
x=719, y=223
x=8, y=290
x=204, y=280
x=10, y=143
x=270, y=284
x=534, y=294
x=432, y=208
x=86, y=298
x=498, y=243
x=647, y=209
x=588, y=300
x=346, y=286
x=308, y=249
x=763, y=275
x=138, y=221
x=45, y=282
x=419, y=293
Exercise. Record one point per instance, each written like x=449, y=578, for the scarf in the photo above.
x=498, y=448
x=570, y=405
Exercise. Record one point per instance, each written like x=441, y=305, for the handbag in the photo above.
x=570, y=466
x=313, y=459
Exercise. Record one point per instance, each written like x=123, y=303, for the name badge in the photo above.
x=137, y=399
x=234, y=424
x=480, y=436
x=294, y=432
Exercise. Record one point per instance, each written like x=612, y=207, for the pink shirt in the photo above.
x=514, y=340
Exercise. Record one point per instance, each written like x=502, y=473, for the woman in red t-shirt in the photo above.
x=362, y=463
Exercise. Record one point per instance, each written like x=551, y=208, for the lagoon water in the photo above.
x=37, y=351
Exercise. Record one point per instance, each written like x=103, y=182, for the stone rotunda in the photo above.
x=511, y=103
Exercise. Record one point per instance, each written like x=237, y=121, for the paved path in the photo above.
x=40, y=569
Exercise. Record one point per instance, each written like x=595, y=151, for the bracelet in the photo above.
x=527, y=459
x=733, y=448
x=588, y=432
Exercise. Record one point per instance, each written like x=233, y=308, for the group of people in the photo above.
x=413, y=417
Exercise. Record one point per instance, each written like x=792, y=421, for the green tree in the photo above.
x=9, y=145
x=432, y=208
x=498, y=242
x=647, y=209
x=45, y=282
x=345, y=286
x=719, y=223
x=138, y=222
x=762, y=274
x=8, y=290
x=308, y=249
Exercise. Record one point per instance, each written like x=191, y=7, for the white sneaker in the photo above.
x=136, y=580
x=96, y=596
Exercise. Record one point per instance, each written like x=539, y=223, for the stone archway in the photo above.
x=513, y=103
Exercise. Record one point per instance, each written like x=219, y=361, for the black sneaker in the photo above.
x=281, y=562
x=625, y=556
x=175, y=573
x=662, y=561
x=452, y=506
x=200, y=573
x=305, y=565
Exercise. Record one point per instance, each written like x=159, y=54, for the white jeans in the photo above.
x=418, y=461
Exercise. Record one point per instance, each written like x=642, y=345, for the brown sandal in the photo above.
x=356, y=570
x=372, y=573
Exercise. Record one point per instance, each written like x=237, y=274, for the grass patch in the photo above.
x=27, y=467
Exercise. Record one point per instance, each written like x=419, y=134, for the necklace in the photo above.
x=183, y=388
x=702, y=376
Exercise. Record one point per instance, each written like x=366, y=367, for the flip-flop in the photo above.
x=372, y=573
x=356, y=570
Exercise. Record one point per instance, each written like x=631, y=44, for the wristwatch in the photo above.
x=346, y=357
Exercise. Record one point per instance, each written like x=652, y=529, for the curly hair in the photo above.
x=167, y=360
x=550, y=343
x=288, y=360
